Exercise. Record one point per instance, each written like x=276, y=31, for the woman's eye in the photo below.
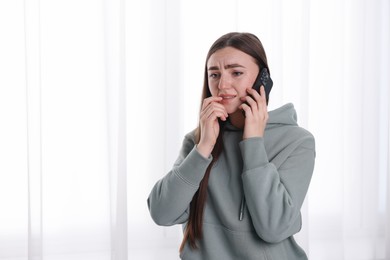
x=237, y=73
x=214, y=75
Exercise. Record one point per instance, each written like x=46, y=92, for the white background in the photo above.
x=96, y=97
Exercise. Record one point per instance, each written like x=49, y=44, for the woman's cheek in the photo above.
x=213, y=91
x=242, y=92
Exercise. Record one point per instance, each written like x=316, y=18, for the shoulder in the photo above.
x=190, y=137
x=300, y=135
x=292, y=136
x=188, y=142
x=282, y=128
x=305, y=138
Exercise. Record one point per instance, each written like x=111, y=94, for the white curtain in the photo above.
x=96, y=96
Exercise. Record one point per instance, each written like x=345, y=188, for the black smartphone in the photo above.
x=263, y=79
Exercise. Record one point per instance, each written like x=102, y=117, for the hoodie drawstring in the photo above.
x=242, y=208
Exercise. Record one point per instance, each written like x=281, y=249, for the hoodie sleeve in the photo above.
x=170, y=197
x=274, y=196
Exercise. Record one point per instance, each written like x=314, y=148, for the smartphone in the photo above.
x=263, y=79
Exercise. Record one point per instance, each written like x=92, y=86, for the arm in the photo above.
x=170, y=197
x=275, y=196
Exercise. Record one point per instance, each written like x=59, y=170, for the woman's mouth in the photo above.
x=227, y=97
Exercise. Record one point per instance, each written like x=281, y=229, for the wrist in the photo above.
x=251, y=134
x=204, y=149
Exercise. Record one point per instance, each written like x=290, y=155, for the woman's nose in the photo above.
x=223, y=83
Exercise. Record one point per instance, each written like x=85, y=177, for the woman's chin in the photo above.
x=231, y=109
x=234, y=111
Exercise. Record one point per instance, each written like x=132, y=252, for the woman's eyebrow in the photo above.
x=229, y=66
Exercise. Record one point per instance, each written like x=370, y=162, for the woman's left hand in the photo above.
x=256, y=113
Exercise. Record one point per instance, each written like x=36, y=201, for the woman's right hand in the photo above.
x=209, y=126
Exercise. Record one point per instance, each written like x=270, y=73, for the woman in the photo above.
x=241, y=177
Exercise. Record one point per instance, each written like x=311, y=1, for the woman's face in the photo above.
x=230, y=73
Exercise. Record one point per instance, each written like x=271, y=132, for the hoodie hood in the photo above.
x=284, y=115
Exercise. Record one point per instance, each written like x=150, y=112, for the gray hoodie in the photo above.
x=272, y=174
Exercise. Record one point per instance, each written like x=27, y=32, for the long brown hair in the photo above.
x=252, y=46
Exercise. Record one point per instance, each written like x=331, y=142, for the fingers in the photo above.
x=260, y=98
x=213, y=113
x=255, y=108
x=256, y=113
x=209, y=100
x=209, y=114
x=264, y=101
x=211, y=109
x=254, y=102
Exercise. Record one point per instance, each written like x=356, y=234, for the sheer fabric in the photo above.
x=96, y=96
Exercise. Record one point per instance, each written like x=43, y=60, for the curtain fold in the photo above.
x=117, y=128
x=96, y=97
x=33, y=129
